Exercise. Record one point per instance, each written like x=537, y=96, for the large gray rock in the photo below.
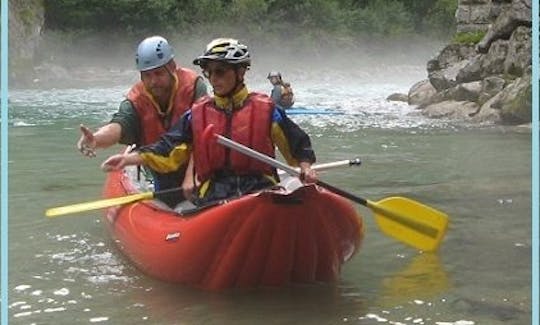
x=450, y=55
x=491, y=86
x=519, y=14
x=512, y=105
x=462, y=92
x=448, y=77
x=473, y=15
x=444, y=69
x=515, y=102
x=487, y=114
x=459, y=110
x=497, y=7
x=519, y=55
x=398, y=97
x=493, y=61
x=421, y=92
x=482, y=66
x=468, y=91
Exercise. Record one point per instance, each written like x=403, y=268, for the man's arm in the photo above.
x=123, y=128
x=105, y=137
x=294, y=144
x=119, y=161
x=291, y=140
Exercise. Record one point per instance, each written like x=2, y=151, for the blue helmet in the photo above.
x=153, y=52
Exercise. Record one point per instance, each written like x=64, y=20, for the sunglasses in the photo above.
x=218, y=72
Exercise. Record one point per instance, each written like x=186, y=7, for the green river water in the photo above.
x=67, y=270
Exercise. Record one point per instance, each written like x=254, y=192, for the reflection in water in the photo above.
x=162, y=303
x=423, y=279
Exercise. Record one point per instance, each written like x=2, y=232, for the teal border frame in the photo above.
x=535, y=83
x=4, y=163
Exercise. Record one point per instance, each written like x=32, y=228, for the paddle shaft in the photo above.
x=131, y=198
x=317, y=167
x=330, y=165
x=278, y=164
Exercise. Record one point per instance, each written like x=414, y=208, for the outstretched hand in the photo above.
x=119, y=161
x=87, y=142
x=115, y=162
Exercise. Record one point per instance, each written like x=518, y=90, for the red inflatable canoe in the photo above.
x=270, y=238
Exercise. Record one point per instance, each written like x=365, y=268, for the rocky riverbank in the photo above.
x=487, y=82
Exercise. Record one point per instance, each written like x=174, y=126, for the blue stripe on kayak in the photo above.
x=310, y=111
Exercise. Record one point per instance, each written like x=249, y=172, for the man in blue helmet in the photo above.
x=151, y=107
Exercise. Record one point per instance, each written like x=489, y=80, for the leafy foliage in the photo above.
x=310, y=18
x=388, y=18
x=468, y=38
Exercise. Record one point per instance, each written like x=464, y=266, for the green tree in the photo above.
x=382, y=18
x=282, y=18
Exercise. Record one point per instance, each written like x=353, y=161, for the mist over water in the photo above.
x=67, y=270
x=355, y=81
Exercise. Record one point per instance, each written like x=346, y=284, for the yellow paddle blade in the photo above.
x=411, y=222
x=100, y=204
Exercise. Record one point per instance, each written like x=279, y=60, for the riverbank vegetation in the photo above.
x=307, y=20
x=72, y=34
x=468, y=38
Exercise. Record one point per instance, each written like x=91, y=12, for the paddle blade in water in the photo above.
x=100, y=204
x=411, y=222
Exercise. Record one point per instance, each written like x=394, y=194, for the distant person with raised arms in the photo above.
x=282, y=93
x=152, y=106
x=246, y=117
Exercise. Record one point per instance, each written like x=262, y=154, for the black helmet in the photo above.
x=228, y=50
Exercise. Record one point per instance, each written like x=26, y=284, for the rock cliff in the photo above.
x=489, y=81
x=26, y=20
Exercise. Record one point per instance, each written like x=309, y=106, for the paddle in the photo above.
x=330, y=165
x=406, y=220
x=105, y=203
